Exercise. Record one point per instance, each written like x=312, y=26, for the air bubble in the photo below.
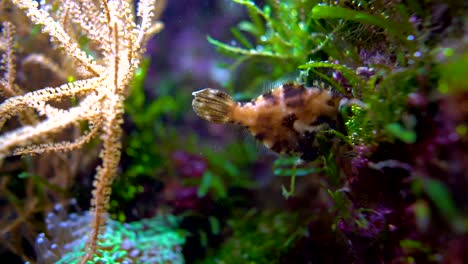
x=58, y=207
x=40, y=238
x=134, y=253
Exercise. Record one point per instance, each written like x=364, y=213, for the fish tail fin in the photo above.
x=213, y=105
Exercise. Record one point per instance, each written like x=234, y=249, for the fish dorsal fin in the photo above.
x=292, y=77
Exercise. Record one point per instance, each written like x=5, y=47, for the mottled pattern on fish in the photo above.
x=285, y=119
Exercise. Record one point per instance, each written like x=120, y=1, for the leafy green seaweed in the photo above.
x=400, y=30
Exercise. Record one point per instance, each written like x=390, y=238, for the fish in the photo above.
x=286, y=119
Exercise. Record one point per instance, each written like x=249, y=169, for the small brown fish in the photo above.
x=285, y=119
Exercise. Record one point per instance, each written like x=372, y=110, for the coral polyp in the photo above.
x=152, y=240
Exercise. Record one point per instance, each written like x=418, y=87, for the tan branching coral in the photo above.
x=117, y=37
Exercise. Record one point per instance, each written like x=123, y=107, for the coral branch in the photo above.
x=118, y=42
